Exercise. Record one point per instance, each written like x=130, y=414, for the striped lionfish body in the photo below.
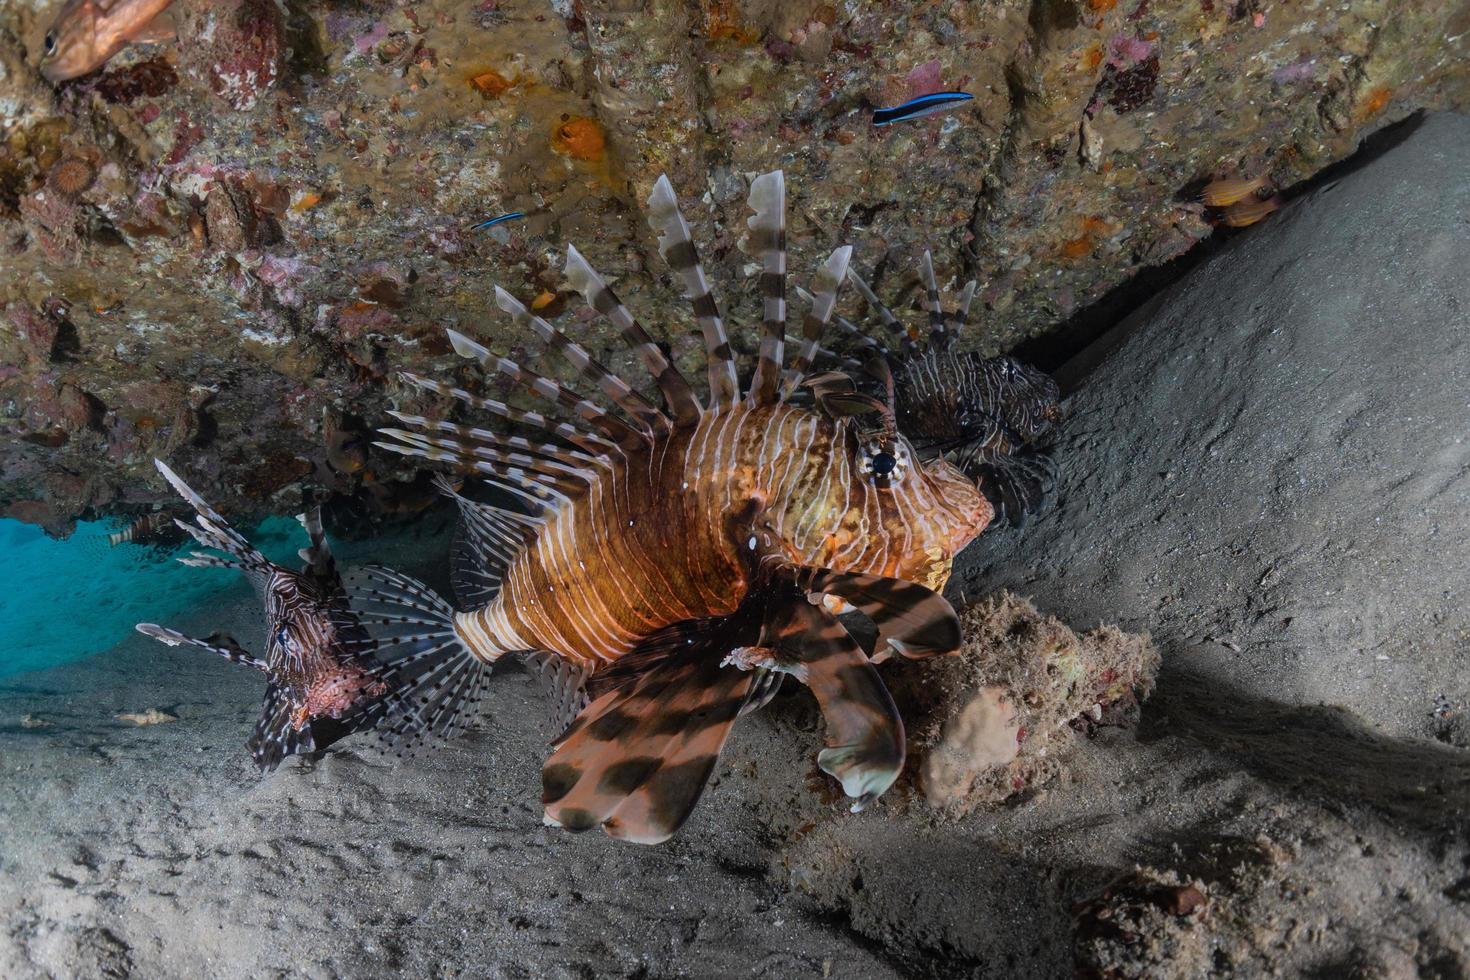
x=987, y=415
x=319, y=688
x=671, y=565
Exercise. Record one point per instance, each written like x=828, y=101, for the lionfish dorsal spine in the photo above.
x=640, y=409
x=962, y=310
x=766, y=241
x=621, y=432
x=677, y=247
x=600, y=296
x=590, y=444
x=885, y=315
x=822, y=300
x=938, y=334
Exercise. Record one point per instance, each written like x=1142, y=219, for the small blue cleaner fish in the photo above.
x=924, y=105
x=513, y=216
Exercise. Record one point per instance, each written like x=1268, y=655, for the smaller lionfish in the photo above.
x=986, y=415
x=318, y=690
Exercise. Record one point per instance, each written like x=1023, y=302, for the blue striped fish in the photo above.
x=924, y=105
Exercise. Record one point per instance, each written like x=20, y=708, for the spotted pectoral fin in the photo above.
x=275, y=736
x=636, y=761
x=915, y=621
x=865, y=737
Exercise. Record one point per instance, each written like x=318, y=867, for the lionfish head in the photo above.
x=1031, y=400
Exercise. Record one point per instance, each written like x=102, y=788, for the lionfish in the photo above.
x=987, y=415
x=319, y=688
x=668, y=566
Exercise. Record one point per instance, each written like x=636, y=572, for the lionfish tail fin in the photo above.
x=433, y=679
x=219, y=644
x=677, y=247
x=766, y=241
x=599, y=295
x=637, y=759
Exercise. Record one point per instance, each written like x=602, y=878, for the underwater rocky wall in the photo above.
x=221, y=250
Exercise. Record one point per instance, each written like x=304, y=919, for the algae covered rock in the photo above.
x=998, y=719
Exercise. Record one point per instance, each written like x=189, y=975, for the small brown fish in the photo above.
x=88, y=32
x=1223, y=193
x=1250, y=210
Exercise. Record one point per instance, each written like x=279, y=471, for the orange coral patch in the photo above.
x=580, y=138
x=491, y=84
x=1077, y=247
x=1376, y=100
x=1093, y=57
x=1101, y=6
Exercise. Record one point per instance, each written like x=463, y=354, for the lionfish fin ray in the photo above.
x=565, y=683
x=640, y=409
x=938, y=333
x=600, y=296
x=676, y=245
x=766, y=241
x=219, y=643
x=913, y=620
x=275, y=737
x=865, y=737
x=823, y=299
x=620, y=431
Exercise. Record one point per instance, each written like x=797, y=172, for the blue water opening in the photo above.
x=65, y=600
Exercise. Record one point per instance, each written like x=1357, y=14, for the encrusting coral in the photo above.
x=998, y=718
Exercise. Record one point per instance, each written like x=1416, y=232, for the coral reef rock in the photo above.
x=207, y=213
x=998, y=719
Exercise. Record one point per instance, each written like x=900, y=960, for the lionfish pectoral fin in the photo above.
x=913, y=620
x=1016, y=483
x=218, y=643
x=433, y=679
x=865, y=738
x=275, y=737
x=636, y=760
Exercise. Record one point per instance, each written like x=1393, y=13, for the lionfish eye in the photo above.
x=50, y=42
x=283, y=637
x=884, y=464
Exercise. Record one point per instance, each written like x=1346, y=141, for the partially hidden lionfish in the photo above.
x=671, y=565
x=319, y=686
x=989, y=416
